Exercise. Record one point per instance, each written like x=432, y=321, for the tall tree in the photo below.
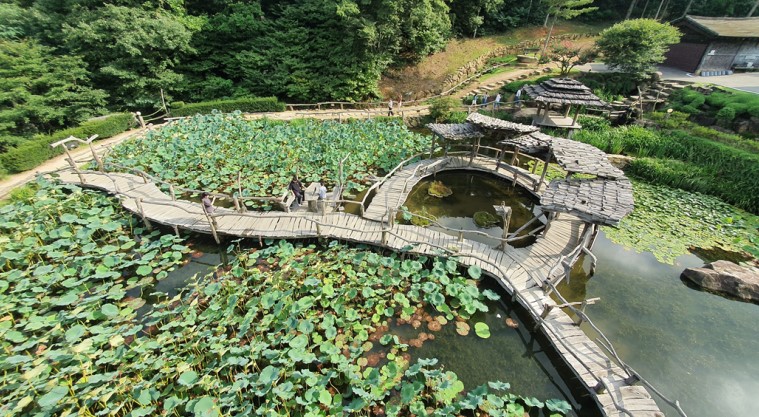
x=636, y=46
x=40, y=92
x=131, y=52
x=470, y=14
x=565, y=9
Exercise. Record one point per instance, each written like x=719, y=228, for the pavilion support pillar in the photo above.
x=577, y=113
x=545, y=171
x=475, y=148
x=432, y=146
x=566, y=113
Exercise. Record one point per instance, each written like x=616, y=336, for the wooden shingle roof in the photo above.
x=563, y=91
x=578, y=157
x=458, y=131
x=532, y=143
x=600, y=201
x=492, y=123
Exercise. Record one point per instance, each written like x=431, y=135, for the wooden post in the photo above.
x=101, y=168
x=579, y=319
x=73, y=164
x=237, y=204
x=500, y=158
x=546, y=311
x=461, y=236
x=140, y=120
x=212, y=223
x=475, y=148
x=361, y=209
x=144, y=178
x=318, y=230
x=566, y=113
x=384, y=237
x=505, y=213
x=545, y=171
x=138, y=202
x=432, y=147
x=172, y=192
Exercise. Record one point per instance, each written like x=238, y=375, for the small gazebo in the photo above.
x=564, y=93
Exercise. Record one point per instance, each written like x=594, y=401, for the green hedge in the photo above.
x=31, y=153
x=245, y=105
x=704, y=165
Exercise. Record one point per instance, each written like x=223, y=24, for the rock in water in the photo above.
x=728, y=278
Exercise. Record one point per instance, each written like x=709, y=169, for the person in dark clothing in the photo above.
x=207, y=202
x=297, y=188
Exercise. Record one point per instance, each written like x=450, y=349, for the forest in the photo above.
x=65, y=61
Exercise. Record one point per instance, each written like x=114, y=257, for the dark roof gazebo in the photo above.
x=564, y=92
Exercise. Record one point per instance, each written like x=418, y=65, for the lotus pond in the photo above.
x=206, y=152
x=278, y=331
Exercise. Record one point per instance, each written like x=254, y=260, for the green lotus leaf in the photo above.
x=144, y=270
x=51, y=399
x=474, y=271
x=205, y=407
x=188, y=378
x=482, y=330
x=109, y=310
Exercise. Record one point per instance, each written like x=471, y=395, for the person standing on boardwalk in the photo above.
x=207, y=202
x=390, y=108
x=297, y=188
x=497, y=103
x=517, y=96
x=322, y=197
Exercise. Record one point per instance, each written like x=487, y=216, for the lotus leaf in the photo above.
x=482, y=330
x=438, y=189
x=188, y=378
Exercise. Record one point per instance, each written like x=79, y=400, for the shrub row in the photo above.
x=245, y=105
x=32, y=152
x=730, y=103
x=707, y=166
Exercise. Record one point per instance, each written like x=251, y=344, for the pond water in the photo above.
x=509, y=355
x=473, y=192
x=694, y=346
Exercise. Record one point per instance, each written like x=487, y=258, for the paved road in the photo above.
x=747, y=81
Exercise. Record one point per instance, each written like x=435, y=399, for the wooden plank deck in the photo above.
x=521, y=269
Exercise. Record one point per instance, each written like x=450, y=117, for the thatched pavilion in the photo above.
x=563, y=93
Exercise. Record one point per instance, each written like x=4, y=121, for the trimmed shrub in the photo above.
x=31, y=153
x=726, y=115
x=443, y=108
x=245, y=105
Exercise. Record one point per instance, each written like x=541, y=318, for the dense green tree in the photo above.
x=131, y=52
x=469, y=15
x=40, y=92
x=636, y=46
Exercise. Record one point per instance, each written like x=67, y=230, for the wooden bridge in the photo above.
x=525, y=273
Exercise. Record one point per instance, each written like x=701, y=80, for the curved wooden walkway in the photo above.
x=520, y=271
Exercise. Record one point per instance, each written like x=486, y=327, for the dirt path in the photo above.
x=495, y=82
x=80, y=153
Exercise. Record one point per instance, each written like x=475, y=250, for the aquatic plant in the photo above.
x=438, y=189
x=669, y=222
x=484, y=219
x=282, y=328
x=208, y=151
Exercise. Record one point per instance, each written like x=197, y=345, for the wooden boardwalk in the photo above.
x=520, y=271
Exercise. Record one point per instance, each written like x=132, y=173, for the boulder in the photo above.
x=728, y=278
x=619, y=161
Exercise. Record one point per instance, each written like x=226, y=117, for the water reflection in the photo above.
x=696, y=347
x=473, y=192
